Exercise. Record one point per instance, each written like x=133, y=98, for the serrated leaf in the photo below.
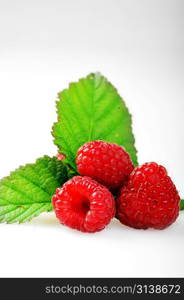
x=27, y=192
x=88, y=110
x=182, y=204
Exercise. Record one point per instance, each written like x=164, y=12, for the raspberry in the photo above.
x=107, y=163
x=60, y=156
x=84, y=204
x=149, y=199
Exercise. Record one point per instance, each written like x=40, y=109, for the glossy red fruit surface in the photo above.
x=107, y=163
x=83, y=204
x=149, y=199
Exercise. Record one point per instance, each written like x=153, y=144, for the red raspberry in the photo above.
x=149, y=199
x=84, y=204
x=107, y=163
x=60, y=156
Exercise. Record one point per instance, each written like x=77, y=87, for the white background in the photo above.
x=138, y=45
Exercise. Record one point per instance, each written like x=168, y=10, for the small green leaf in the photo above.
x=88, y=110
x=182, y=204
x=27, y=192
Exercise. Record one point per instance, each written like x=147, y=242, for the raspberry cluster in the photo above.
x=107, y=163
x=142, y=197
x=83, y=204
x=149, y=199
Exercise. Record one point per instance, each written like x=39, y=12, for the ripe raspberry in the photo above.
x=83, y=204
x=60, y=156
x=149, y=199
x=107, y=163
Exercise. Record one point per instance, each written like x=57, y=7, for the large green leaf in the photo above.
x=28, y=190
x=88, y=110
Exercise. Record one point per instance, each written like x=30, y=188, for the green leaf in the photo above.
x=182, y=204
x=27, y=192
x=88, y=110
